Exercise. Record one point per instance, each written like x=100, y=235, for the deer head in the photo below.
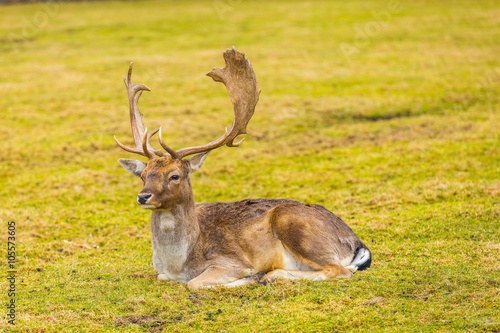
x=166, y=174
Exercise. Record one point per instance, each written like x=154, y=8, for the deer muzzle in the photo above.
x=143, y=198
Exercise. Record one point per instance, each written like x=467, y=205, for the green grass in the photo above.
x=399, y=138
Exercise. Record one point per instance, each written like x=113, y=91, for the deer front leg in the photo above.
x=221, y=276
x=159, y=268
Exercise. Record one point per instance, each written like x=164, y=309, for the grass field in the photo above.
x=385, y=112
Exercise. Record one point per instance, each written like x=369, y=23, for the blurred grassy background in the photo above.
x=386, y=112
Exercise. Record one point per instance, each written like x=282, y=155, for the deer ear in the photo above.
x=196, y=161
x=135, y=167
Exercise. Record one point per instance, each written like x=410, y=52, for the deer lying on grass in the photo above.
x=237, y=243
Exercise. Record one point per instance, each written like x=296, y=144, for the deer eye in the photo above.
x=175, y=177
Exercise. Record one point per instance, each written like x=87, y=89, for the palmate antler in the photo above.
x=238, y=77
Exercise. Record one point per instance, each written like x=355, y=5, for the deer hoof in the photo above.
x=162, y=277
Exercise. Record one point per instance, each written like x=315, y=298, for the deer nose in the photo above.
x=142, y=198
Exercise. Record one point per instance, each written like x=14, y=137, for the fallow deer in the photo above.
x=237, y=243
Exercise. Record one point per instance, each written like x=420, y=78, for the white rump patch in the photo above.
x=361, y=257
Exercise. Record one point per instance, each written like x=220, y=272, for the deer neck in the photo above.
x=174, y=235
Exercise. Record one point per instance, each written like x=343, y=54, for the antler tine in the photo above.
x=239, y=78
x=141, y=137
x=146, y=145
x=169, y=150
